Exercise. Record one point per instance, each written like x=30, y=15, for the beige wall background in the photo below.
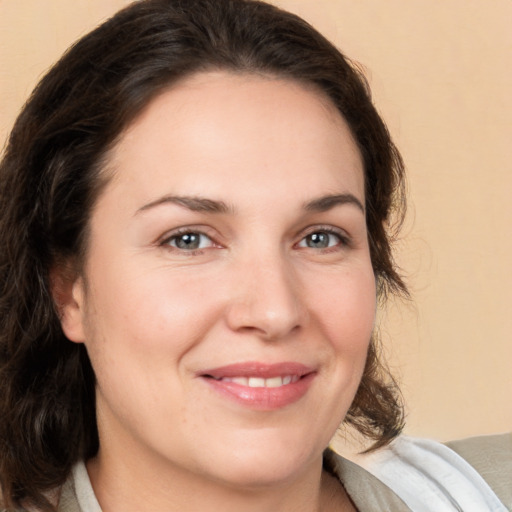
x=441, y=74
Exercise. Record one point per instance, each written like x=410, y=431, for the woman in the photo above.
x=194, y=212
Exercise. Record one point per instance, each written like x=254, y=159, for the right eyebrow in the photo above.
x=325, y=203
x=193, y=203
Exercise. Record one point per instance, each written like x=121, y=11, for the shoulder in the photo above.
x=491, y=456
x=68, y=500
x=77, y=493
x=428, y=475
x=367, y=492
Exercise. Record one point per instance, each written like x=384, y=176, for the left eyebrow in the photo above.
x=195, y=204
x=325, y=203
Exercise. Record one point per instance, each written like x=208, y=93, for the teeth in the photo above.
x=258, y=382
x=274, y=382
x=243, y=381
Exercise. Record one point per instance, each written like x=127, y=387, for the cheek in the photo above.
x=345, y=305
x=137, y=332
x=154, y=313
x=343, y=309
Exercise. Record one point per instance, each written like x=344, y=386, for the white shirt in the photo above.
x=429, y=476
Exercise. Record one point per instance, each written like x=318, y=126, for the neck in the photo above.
x=135, y=487
x=130, y=475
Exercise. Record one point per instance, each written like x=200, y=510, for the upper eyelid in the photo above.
x=174, y=233
x=345, y=239
x=343, y=233
x=214, y=236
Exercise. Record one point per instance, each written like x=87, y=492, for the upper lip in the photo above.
x=258, y=369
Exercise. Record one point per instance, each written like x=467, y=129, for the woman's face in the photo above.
x=228, y=297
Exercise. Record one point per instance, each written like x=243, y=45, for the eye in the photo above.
x=189, y=241
x=322, y=239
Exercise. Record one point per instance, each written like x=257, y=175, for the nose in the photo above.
x=266, y=300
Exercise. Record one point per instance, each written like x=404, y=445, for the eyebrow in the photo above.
x=195, y=204
x=325, y=203
x=202, y=204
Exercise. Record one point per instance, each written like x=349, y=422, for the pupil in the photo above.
x=188, y=241
x=319, y=240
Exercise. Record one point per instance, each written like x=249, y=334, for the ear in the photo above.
x=68, y=294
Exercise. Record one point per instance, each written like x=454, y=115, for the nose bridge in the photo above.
x=266, y=298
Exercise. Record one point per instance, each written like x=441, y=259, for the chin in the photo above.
x=260, y=462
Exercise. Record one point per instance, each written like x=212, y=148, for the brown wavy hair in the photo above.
x=51, y=176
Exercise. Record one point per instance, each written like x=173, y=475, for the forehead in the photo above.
x=215, y=129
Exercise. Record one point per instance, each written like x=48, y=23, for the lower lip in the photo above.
x=263, y=399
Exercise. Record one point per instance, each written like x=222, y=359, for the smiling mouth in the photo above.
x=260, y=382
x=261, y=386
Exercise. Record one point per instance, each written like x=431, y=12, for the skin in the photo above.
x=154, y=314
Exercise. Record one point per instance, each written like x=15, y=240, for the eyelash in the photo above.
x=181, y=232
x=344, y=240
